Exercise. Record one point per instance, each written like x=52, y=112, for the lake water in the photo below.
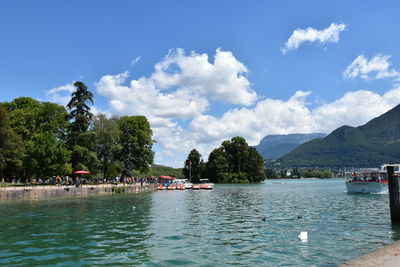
x=251, y=225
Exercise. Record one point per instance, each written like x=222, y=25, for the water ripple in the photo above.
x=242, y=225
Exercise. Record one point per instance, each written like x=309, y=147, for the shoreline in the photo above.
x=50, y=191
x=386, y=256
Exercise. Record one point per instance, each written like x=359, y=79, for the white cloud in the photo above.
x=60, y=95
x=141, y=97
x=325, y=36
x=179, y=87
x=223, y=80
x=134, y=61
x=376, y=68
x=271, y=116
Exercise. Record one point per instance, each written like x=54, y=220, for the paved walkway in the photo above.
x=387, y=256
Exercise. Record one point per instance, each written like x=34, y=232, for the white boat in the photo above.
x=367, y=187
x=184, y=182
x=370, y=180
x=188, y=185
x=206, y=184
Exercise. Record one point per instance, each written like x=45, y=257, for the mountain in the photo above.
x=370, y=145
x=275, y=146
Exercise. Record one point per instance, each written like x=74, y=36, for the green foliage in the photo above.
x=84, y=159
x=318, y=174
x=217, y=166
x=372, y=144
x=136, y=142
x=118, y=189
x=79, y=111
x=235, y=162
x=81, y=142
x=11, y=147
x=40, y=139
x=157, y=170
x=46, y=156
x=192, y=168
x=24, y=113
x=271, y=174
x=30, y=119
x=107, y=143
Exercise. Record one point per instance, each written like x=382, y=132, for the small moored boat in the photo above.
x=171, y=187
x=206, y=184
x=161, y=187
x=196, y=187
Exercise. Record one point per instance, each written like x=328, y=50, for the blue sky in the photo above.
x=222, y=70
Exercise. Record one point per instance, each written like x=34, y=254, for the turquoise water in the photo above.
x=231, y=225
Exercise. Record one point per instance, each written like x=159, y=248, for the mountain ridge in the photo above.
x=275, y=146
x=369, y=145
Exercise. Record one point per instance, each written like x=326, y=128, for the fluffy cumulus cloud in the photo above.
x=325, y=36
x=180, y=87
x=272, y=116
x=376, y=68
x=223, y=80
x=60, y=95
x=143, y=97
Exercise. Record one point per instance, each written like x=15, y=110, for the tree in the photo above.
x=80, y=141
x=236, y=148
x=30, y=118
x=136, y=142
x=52, y=118
x=107, y=144
x=192, y=166
x=79, y=112
x=234, y=161
x=23, y=114
x=46, y=156
x=218, y=165
x=255, y=166
x=11, y=147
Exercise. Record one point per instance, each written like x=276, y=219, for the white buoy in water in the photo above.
x=303, y=236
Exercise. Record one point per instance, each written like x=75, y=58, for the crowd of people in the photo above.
x=79, y=180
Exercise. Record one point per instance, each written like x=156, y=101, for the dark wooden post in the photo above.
x=394, y=195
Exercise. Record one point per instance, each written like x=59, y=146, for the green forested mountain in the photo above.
x=375, y=143
x=276, y=146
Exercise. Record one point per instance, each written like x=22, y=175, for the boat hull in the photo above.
x=366, y=187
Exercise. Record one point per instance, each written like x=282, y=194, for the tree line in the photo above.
x=44, y=139
x=233, y=162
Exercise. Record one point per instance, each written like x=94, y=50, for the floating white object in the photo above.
x=303, y=236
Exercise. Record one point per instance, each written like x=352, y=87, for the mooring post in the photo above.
x=394, y=195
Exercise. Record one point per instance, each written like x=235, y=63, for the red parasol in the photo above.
x=82, y=172
x=167, y=177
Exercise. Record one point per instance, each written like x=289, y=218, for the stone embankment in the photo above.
x=33, y=192
x=387, y=256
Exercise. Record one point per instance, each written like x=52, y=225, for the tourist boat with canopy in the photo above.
x=370, y=180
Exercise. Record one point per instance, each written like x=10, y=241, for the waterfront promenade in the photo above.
x=45, y=191
x=387, y=256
